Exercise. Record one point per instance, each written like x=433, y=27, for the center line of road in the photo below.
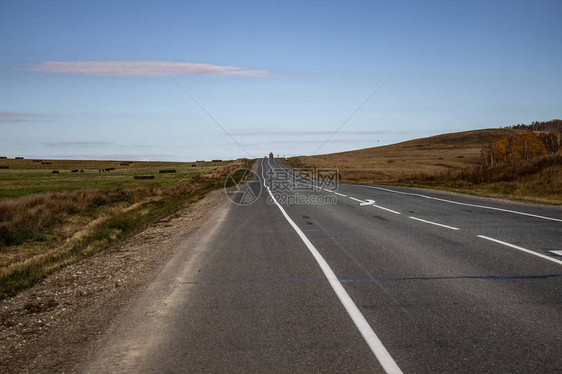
x=382, y=355
x=360, y=201
x=521, y=249
x=388, y=210
x=435, y=223
x=465, y=204
x=373, y=205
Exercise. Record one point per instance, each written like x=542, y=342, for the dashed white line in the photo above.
x=435, y=223
x=388, y=210
x=465, y=204
x=368, y=202
x=382, y=355
x=373, y=205
x=521, y=249
x=352, y=198
x=362, y=202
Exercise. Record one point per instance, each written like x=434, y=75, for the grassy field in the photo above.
x=393, y=163
x=48, y=221
x=25, y=177
x=450, y=162
x=537, y=180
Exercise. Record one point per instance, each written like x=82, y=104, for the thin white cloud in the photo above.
x=77, y=143
x=17, y=116
x=310, y=141
x=142, y=68
x=258, y=132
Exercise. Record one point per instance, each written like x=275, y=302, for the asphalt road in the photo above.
x=301, y=276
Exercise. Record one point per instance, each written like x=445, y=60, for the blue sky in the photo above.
x=78, y=79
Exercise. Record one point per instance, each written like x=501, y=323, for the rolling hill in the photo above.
x=396, y=162
x=449, y=161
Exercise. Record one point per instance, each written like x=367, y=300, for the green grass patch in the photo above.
x=43, y=232
x=25, y=177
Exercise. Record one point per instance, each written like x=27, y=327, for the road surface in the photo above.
x=300, y=276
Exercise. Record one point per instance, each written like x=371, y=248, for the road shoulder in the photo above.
x=55, y=325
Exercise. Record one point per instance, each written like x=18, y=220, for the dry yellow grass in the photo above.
x=449, y=161
x=392, y=163
x=43, y=232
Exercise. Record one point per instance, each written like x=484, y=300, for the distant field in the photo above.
x=25, y=177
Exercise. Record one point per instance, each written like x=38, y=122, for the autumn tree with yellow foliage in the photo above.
x=525, y=146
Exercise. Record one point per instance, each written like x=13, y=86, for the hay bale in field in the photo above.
x=4, y=167
x=37, y=160
x=193, y=165
x=75, y=171
x=144, y=177
x=55, y=172
x=167, y=171
x=18, y=158
x=109, y=169
x=46, y=163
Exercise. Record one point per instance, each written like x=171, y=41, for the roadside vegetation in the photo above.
x=525, y=166
x=84, y=213
x=536, y=180
x=522, y=162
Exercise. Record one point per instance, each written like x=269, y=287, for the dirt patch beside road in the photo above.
x=52, y=326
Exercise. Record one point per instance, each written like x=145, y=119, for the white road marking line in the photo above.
x=435, y=223
x=388, y=210
x=368, y=202
x=382, y=355
x=556, y=252
x=521, y=249
x=340, y=194
x=376, y=206
x=466, y=204
x=352, y=198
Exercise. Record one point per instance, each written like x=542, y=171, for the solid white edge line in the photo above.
x=379, y=350
x=465, y=204
x=521, y=249
x=434, y=223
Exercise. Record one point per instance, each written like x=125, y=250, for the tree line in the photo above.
x=525, y=146
x=552, y=125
